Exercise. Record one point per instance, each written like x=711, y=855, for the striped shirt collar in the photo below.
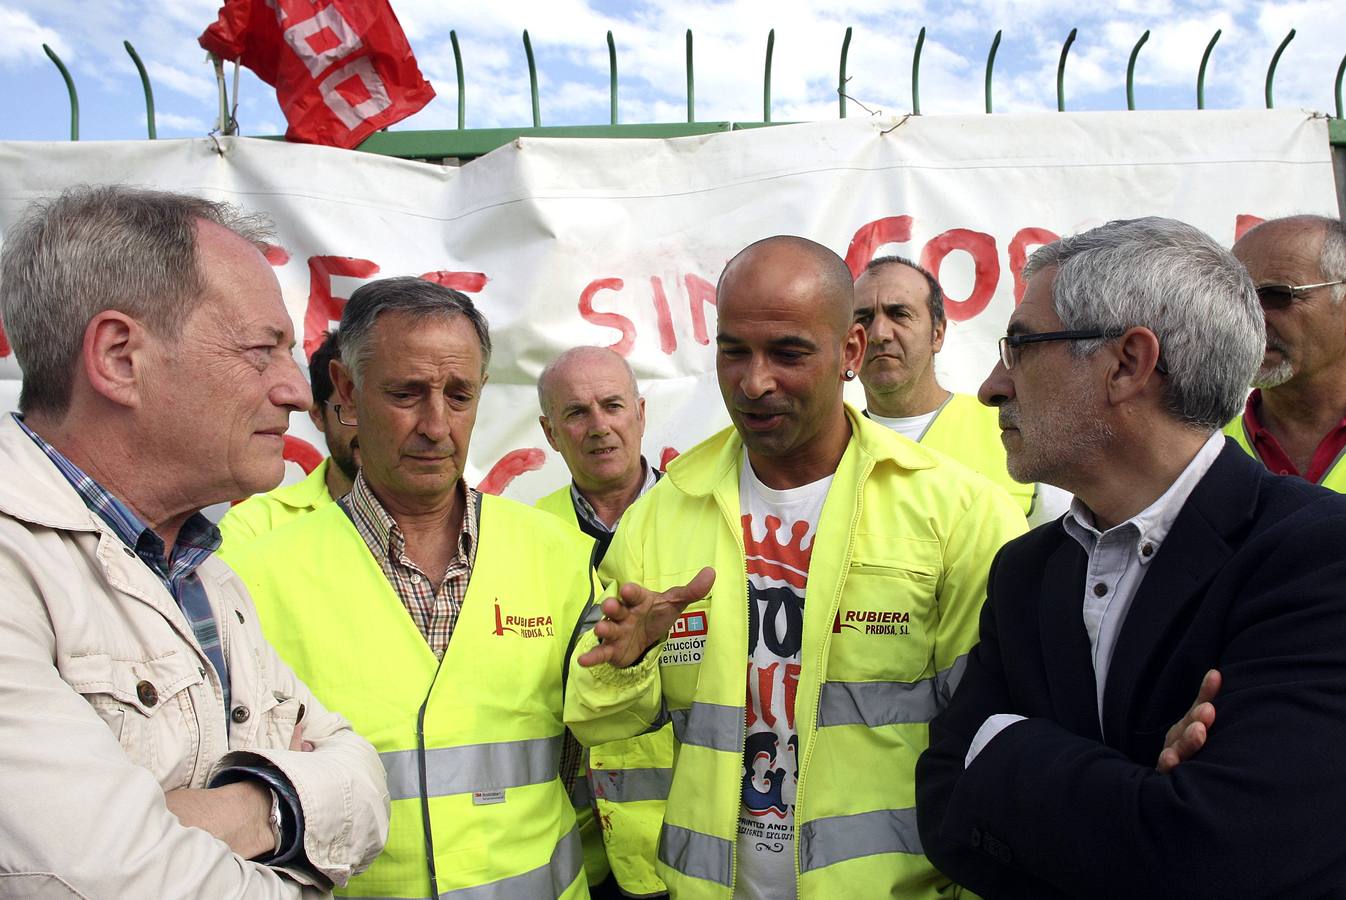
x=196, y=540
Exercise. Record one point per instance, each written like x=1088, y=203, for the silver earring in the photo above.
x=850, y=374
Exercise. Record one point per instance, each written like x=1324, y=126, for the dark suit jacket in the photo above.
x=1251, y=580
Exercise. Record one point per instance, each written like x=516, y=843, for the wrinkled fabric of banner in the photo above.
x=620, y=242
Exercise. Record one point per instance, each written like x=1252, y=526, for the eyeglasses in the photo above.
x=1280, y=296
x=1010, y=343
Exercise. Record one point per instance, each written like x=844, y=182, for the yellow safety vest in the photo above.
x=1333, y=479
x=628, y=781
x=261, y=513
x=482, y=775
x=896, y=582
x=969, y=432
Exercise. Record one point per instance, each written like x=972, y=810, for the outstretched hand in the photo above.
x=1188, y=734
x=637, y=618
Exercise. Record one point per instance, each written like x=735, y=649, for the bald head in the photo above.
x=1314, y=247
x=795, y=266
x=592, y=360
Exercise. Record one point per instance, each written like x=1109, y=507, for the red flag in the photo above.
x=342, y=69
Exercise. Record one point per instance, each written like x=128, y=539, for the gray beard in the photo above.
x=1273, y=376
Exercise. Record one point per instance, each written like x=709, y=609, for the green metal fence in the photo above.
x=468, y=143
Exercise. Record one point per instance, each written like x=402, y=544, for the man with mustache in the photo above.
x=594, y=416
x=330, y=481
x=1057, y=769
x=847, y=566
x=901, y=307
x=438, y=619
x=1295, y=419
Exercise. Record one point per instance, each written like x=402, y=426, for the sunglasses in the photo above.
x=1281, y=296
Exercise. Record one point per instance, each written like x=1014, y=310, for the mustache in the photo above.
x=1274, y=342
x=746, y=407
x=1009, y=416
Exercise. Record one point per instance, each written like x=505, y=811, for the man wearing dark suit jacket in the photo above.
x=1183, y=568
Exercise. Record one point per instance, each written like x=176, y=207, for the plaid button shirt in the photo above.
x=197, y=539
x=432, y=603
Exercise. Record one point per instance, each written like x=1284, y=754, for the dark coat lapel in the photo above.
x=1196, y=548
x=1065, y=644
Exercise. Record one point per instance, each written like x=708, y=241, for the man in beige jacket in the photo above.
x=152, y=744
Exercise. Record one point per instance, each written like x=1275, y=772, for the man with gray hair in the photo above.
x=151, y=742
x=1295, y=420
x=437, y=618
x=1072, y=760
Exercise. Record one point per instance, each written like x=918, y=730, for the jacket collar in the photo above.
x=310, y=493
x=698, y=471
x=34, y=490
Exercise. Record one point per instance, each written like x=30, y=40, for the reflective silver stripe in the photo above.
x=549, y=880
x=875, y=703
x=581, y=795
x=697, y=855
x=627, y=785
x=475, y=767
x=835, y=839
x=949, y=679
x=710, y=725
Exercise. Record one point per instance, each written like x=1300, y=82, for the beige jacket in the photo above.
x=107, y=701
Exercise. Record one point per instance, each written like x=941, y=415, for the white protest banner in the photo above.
x=619, y=242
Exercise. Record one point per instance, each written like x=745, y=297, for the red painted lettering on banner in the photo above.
x=1018, y=253
x=607, y=319
x=5, y=349
x=323, y=308
x=668, y=341
x=1244, y=223
x=467, y=282
x=870, y=237
x=666, y=456
x=791, y=689
x=986, y=268
x=511, y=466
x=301, y=452
x=275, y=254
x=700, y=294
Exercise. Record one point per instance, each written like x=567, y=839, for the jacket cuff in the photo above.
x=291, y=849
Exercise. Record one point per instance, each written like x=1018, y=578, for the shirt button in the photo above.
x=1147, y=550
x=147, y=694
x=1100, y=589
x=415, y=579
x=240, y=714
x=129, y=552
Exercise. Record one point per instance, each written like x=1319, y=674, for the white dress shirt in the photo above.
x=1118, y=560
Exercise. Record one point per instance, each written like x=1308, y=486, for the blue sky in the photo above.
x=569, y=42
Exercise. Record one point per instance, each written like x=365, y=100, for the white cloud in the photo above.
x=21, y=39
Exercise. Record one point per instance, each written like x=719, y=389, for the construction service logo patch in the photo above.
x=686, y=639
x=523, y=626
x=873, y=621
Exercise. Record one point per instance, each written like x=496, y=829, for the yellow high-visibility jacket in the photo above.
x=628, y=781
x=1334, y=479
x=896, y=583
x=261, y=513
x=471, y=744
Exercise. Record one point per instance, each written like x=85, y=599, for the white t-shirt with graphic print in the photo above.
x=778, y=530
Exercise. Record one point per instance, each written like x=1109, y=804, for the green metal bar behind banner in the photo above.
x=612, y=76
x=766, y=77
x=990, y=67
x=462, y=91
x=1275, y=59
x=70, y=89
x=1131, y=71
x=1201, y=73
x=691, y=81
x=532, y=79
x=1061, y=72
x=841, y=74
x=916, y=73
x=144, y=83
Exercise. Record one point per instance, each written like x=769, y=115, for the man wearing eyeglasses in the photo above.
x=1295, y=419
x=1072, y=760
x=331, y=480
